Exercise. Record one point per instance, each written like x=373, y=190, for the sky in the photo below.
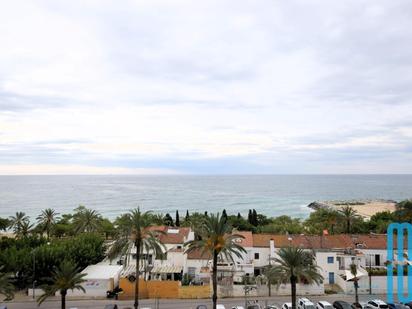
x=205, y=87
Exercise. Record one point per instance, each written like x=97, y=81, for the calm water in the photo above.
x=272, y=195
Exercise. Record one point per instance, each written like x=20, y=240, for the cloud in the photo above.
x=213, y=87
x=69, y=169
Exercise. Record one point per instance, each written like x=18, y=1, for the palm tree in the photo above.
x=215, y=239
x=349, y=215
x=294, y=265
x=17, y=221
x=135, y=233
x=47, y=219
x=25, y=229
x=354, y=272
x=6, y=288
x=86, y=220
x=4, y=224
x=64, y=278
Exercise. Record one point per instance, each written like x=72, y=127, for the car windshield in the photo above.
x=384, y=306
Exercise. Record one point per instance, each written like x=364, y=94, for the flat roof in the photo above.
x=101, y=271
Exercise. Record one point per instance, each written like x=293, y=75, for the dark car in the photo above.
x=340, y=304
x=201, y=307
x=111, y=307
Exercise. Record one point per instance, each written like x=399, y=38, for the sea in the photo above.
x=272, y=195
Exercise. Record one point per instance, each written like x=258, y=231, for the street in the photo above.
x=181, y=304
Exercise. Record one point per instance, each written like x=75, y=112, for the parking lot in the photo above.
x=183, y=304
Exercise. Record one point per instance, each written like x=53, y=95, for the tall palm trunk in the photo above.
x=63, y=294
x=136, y=291
x=214, y=280
x=293, y=280
x=355, y=283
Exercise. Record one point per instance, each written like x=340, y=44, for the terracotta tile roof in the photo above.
x=172, y=235
x=197, y=255
x=373, y=241
x=263, y=240
x=340, y=241
x=247, y=241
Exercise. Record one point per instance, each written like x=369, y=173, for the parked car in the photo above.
x=324, y=305
x=238, y=307
x=201, y=307
x=360, y=305
x=409, y=304
x=273, y=306
x=287, y=306
x=219, y=306
x=112, y=306
x=304, y=303
x=340, y=304
x=377, y=304
x=254, y=306
x=398, y=306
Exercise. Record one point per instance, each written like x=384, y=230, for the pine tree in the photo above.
x=187, y=216
x=239, y=216
x=168, y=220
x=177, y=221
x=206, y=213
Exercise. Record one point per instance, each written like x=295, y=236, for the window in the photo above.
x=330, y=259
x=256, y=256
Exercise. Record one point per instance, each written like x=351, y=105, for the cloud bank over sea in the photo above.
x=189, y=87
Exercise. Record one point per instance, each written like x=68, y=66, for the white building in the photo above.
x=99, y=278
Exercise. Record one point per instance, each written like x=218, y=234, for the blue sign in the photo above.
x=400, y=261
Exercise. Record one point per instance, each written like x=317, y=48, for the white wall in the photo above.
x=94, y=288
x=262, y=290
x=379, y=285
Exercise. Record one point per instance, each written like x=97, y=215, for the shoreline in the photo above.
x=365, y=208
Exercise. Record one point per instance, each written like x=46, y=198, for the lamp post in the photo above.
x=34, y=272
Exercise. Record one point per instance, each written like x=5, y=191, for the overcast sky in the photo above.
x=215, y=87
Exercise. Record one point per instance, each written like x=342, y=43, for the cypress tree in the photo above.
x=187, y=215
x=239, y=216
x=177, y=221
x=224, y=214
x=250, y=217
x=254, y=217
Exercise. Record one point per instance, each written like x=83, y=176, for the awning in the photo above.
x=359, y=273
x=166, y=269
x=131, y=269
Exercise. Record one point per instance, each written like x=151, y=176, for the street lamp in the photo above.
x=34, y=270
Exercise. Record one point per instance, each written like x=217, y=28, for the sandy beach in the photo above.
x=365, y=208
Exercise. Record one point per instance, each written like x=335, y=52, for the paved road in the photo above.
x=177, y=303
